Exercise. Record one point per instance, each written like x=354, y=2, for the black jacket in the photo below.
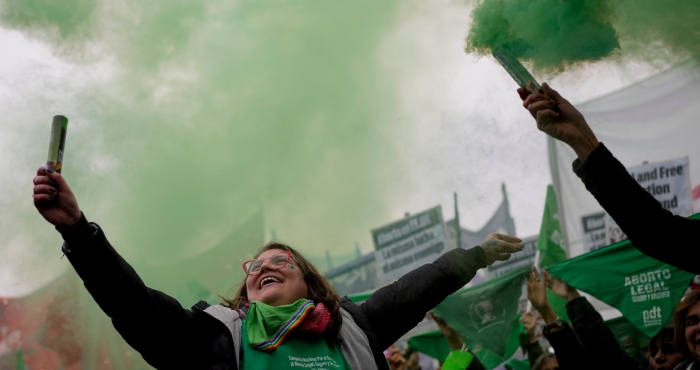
x=597, y=338
x=169, y=336
x=655, y=231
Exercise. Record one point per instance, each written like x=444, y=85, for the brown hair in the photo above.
x=319, y=289
x=679, y=321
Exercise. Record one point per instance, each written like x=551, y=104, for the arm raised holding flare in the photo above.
x=655, y=231
x=245, y=331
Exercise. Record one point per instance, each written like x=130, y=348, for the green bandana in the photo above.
x=267, y=326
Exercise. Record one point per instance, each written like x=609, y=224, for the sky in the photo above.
x=333, y=119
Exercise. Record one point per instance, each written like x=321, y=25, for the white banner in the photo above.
x=594, y=231
x=404, y=245
x=668, y=182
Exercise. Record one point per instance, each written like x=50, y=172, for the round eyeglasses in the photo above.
x=276, y=261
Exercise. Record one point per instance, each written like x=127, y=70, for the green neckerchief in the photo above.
x=267, y=326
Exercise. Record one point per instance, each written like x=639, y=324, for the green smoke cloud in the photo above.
x=555, y=34
x=211, y=111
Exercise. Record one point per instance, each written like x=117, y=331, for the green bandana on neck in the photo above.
x=267, y=326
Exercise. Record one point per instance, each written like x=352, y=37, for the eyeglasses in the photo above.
x=276, y=261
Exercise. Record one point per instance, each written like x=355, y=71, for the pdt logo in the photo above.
x=652, y=316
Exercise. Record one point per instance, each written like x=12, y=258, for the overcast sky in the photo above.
x=452, y=123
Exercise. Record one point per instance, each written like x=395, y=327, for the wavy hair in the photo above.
x=319, y=290
x=679, y=321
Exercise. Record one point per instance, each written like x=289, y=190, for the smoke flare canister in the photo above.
x=57, y=142
x=519, y=73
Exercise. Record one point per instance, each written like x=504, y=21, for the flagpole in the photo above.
x=459, y=230
x=537, y=266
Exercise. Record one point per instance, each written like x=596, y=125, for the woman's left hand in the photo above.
x=498, y=247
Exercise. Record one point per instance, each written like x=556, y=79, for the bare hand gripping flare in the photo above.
x=57, y=141
x=519, y=73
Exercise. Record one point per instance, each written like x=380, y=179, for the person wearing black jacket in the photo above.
x=597, y=339
x=569, y=352
x=653, y=230
x=214, y=337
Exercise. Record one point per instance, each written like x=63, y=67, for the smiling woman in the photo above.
x=284, y=316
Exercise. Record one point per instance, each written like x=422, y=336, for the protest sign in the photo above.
x=644, y=289
x=409, y=243
x=594, y=231
x=668, y=182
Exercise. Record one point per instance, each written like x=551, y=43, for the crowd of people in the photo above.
x=285, y=314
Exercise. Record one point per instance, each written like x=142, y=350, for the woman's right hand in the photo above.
x=54, y=200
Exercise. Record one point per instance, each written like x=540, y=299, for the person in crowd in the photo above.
x=285, y=314
x=569, y=352
x=655, y=231
x=686, y=320
x=546, y=361
x=529, y=341
x=596, y=337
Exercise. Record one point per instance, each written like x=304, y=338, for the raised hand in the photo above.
x=537, y=295
x=498, y=247
x=563, y=123
x=559, y=287
x=54, y=200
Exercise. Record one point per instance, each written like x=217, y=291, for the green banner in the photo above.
x=485, y=316
x=432, y=343
x=644, y=289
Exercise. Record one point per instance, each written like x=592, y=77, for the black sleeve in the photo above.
x=475, y=364
x=152, y=322
x=570, y=353
x=655, y=231
x=596, y=337
x=398, y=307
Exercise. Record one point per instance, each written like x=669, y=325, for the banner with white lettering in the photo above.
x=668, y=182
x=594, y=231
x=409, y=243
x=644, y=289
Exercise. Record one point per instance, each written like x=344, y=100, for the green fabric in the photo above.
x=294, y=353
x=485, y=316
x=550, y=244
x=20, y=361
x=491, y=360
x=645, y=290
x=432, y=343
x=458, y=360
x=265, y=321
x=360, y=297
x=551, y=240
x=515, y=364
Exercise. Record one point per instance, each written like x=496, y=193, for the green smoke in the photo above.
x=212, y=111
x=555, y=34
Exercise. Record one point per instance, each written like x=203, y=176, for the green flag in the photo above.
x=551, y=246
x=516, y=364
x=551, y=240
x=644, y=289
x=432, y=343
x=485, y=316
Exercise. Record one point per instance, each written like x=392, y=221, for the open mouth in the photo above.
x=269, y=280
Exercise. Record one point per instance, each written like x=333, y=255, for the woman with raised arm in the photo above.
x=284, y=316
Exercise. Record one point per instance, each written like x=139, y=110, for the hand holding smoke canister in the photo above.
x=519, y=73
x=57, y=142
